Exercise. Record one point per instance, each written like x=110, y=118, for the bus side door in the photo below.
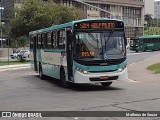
x=69, y=54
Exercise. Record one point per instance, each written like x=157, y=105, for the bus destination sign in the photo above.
x=99, y=25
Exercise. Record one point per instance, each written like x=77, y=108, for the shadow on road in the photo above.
x=80, y=87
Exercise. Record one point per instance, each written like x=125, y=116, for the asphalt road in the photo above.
x=22, y=90
x=135, y=57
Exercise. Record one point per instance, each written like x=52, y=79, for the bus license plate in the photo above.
x=104, y=77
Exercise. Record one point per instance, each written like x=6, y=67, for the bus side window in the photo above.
x=61, y=39
x=39, y=41
x=140, y=41
x=31, y=42
x=54, y=40
x=48, y=44
x=146, y=40
x=43, y=41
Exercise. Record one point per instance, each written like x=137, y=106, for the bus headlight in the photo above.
x=81, y=70
x=121, y=69
x=85, y=71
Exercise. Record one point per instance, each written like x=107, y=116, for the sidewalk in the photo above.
x=138, y=71
x=14, y=66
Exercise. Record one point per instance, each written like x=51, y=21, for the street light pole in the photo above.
x=1, y=9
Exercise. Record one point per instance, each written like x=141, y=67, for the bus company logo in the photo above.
x=21, y=114
x=6, y=114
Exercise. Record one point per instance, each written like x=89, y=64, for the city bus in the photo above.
x=144, y=43
x=83, y=51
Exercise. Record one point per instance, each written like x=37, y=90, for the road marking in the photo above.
x=130, y=80
x=138, y=53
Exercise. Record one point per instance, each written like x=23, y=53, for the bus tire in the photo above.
x=106, y=83
x=64, y=83
x=41, y=75
x=145, y=49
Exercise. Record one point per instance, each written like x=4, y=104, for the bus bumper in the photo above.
x=100, y=77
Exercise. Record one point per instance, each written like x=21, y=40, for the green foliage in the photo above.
x=19, y=42
x=148, y=18
x=155, y=68
x=12, y=63
x=152, y=31
x=2, y=27
x=37, y=14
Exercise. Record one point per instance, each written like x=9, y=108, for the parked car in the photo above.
x=24, y=53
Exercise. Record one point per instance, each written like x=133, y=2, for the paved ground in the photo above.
x=23, y=90
x=138, y=71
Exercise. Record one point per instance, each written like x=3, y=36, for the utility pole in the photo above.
x=1, y=10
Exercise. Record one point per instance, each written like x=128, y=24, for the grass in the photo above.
x=12, y=63
x=152, y=31
x=155, y=68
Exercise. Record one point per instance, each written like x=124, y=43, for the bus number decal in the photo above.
x=87, y=54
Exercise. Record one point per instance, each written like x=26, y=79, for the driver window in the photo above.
x=61, y=39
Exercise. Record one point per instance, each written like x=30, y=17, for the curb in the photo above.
x=14, y=66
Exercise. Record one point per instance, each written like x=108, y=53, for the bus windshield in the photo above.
x=134, y=42
x=99, y=45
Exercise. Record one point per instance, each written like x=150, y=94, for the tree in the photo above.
x=37, y=14
x=148, y=18
x=2, y=27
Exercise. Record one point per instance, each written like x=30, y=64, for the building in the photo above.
x=130, y=11
x=149, y=7
x=157, y=9
x=8, y=13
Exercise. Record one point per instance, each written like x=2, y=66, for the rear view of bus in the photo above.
x=99, y=52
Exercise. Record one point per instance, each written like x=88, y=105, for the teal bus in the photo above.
x=83, y=51
x=144, y=43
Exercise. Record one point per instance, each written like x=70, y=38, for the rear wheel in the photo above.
x=106, y=84
x=145, y=49
x=64, y=83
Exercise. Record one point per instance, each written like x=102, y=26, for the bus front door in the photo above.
x=69, y=54
x=35, y=52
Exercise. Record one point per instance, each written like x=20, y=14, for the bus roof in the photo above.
x=150, y=36
x=68, y=24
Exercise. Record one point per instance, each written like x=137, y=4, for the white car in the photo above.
x=24, y=53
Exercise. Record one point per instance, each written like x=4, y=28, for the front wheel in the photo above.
x=106, y=84
x=64, y=83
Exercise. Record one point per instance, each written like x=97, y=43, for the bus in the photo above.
x=82, y=51
x=144, y=43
